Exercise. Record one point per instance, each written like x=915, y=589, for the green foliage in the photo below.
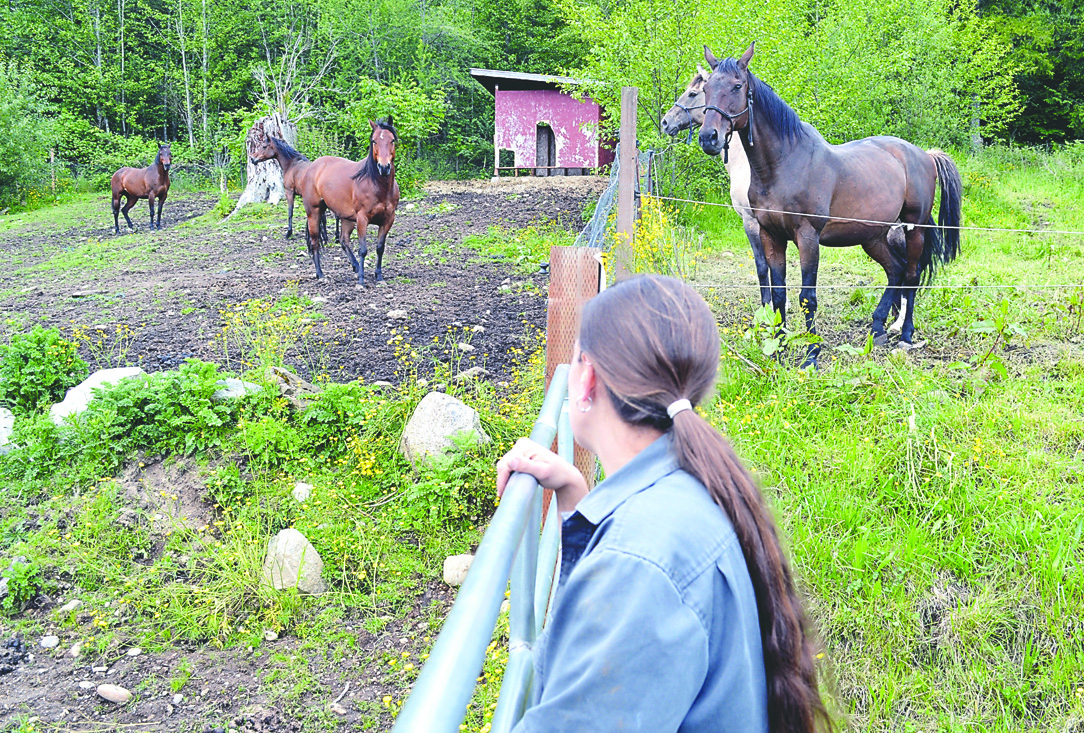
x=24, y=584
x=24, y=132
x=526, y=249
x=37, y=368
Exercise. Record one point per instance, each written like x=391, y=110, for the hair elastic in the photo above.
x=677, y=406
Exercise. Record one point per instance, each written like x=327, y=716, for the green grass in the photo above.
x=526, y=249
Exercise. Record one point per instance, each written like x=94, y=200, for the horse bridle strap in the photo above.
x=730, y=118
x=688, y=113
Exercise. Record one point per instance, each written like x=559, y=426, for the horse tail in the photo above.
x=942, y=243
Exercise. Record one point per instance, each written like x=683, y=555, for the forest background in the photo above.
x=87, y=86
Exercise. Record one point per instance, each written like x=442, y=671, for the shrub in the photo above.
x=38, y=368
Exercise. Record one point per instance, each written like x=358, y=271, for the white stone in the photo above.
x=7, y=427
x=70, y=606
x=87, y=685
x=398, y=315
x=50, y=642
x=464, y=346
x=76, y=649
x=456, y=567
x=114, y=693
x=292, y=562
x=78, y=397
x=100, y=669
x=270, y=635
x=301, y=492
x=338, y=709
x=134, y=651
x=382, y=383
x=473, y=373
x=178, y=699
x=234, y=388
x=436, y=419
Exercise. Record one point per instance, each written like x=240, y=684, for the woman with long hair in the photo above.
x=675, y=609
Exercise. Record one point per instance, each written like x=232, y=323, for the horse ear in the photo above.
x=372, y=125
x=390, y=123
x=743, y=62
x=710, y=58
x=702, y=73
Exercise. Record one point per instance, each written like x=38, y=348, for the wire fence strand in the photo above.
x=873, y=222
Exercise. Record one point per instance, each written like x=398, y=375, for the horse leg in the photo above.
x=381, y=236
x=809, y=253
x=363, y=249
x=312, y=236
x=116, y=213
x=289, y=213
x=150, y=202
x=129, y=202
x=916, y=242
x=881, y=252
x=161, y=200
x=346, y=227
x=752, y=233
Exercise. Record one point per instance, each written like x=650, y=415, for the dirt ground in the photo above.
x=170, y=288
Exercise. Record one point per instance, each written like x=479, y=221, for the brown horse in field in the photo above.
x=841, y=195
x=148, y=183
x=359, y=194
x=294, y=167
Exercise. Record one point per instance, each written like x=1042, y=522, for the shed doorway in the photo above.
x=546, y=152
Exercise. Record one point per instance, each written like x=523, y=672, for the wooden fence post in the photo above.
x=626, y=185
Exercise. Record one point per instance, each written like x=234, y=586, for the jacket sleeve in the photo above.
x=622, y=651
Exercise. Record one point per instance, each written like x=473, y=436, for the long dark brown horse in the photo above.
x=359, y=194
x=148, y=183
x=807, y=191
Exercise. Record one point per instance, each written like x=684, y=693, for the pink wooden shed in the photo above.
x=541, y=128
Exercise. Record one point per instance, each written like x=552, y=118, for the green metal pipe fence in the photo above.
x=446, y=683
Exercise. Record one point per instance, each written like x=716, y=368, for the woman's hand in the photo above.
x=549, y=469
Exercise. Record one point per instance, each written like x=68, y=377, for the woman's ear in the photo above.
x=588, y=380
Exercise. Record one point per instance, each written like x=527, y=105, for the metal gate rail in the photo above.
x=446, y=683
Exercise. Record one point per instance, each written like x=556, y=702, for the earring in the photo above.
x=590, y=403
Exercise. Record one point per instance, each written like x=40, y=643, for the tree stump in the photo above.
x=265, y=177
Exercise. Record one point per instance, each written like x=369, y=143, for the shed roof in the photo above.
x=511, y=80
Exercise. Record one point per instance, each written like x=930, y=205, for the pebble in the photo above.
x=398, y=315
x=114, y=693
x=338, y=709
x=134, y=651
x=178, y=699
x=76, y=649
x=464, y=346
x=87, y=685
x=270, y=635
x=70, y=606
x=100, y=669
x=50, y=642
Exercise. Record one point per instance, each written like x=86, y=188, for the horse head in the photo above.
x=382, y=145
x=264, y=149
x=164, y=157
x=728, y=101
x=688, y=110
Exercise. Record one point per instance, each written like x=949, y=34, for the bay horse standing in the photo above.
x=807, y=191
x=359, y=194
x=295, y=166
x=687, y=113
x=148, y=183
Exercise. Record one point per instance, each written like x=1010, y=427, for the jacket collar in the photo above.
x=647, y=467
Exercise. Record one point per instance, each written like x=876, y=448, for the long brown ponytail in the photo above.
x=653, y=340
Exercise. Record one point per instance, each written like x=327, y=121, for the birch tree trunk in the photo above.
x=182, y=39
x=265, y=178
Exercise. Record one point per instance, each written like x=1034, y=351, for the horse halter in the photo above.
x=688, y=113
x=730, y=118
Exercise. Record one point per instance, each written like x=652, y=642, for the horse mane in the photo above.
x=287, y=151
x=368, y=166
x=158, y=155
x=766, y=102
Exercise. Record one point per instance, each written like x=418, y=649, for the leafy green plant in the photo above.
x=24, y=582
x=998, y=330
x=38, y=368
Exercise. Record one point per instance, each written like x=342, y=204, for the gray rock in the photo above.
x=338, y=709
x=50, y=642
x=114, y=693
x=436, y=419
x=464, y=346
x=292, y=562
x=474, y=372
x=301, y=492
x=76, y=649
x=270, y=635
x=398, y=315
x=78, y=397
x=70, y=606
x=382, y=383
x=87, y=685
x=234, y=388
x=7, y=427
x=99, y=669
x=134, y=651
x=295, y=389
x=456, y=567
x=178, y=699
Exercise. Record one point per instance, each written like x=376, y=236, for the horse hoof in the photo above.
x=880, y=339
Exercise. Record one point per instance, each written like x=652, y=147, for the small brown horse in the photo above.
x=359, y=194
x=295, y=166
x=148, y=183
x=840, y=195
